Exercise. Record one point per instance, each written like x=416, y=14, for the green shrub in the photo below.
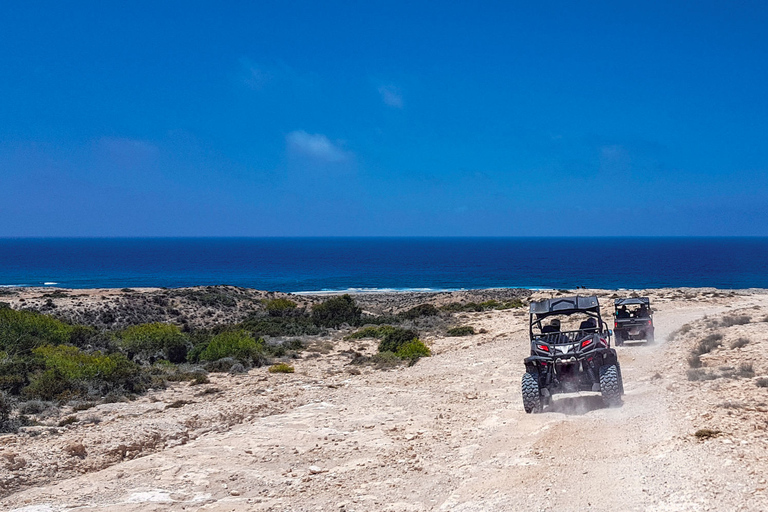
x=419, y=311
x=150, y=342
x=15, y=373
x=464, y=330
x=279, y=307
x=236, y=344
x=458, y=307
x=386, y=360
x=413, y=350
x=281, y=368
x=280, y=326
x=337, y=311
x=69, y=372
x=6, y=408
x=74, y=364
x=372, y=331
x=210, y=296
x=396, y=338
x=294, y=345
x=22, y=331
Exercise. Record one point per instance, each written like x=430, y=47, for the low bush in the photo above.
x=419, y=311
x=458, y=307
x=464, y=330
x=386, y=360
x=694, y=361
x=280, y=326
x=396, y=338
x=708, y=344
x=221, y=365
x=762, y=382
x=337, y=311
x=706, y=433
x=279, y=307
x=83, y=406
x=34, y=407
x=413, y=350
x=178, y=404
x=686, y=328
x=210, y=296
x=731, y=320
x=239, y=345
x=68, y=372
x=740, y=343
x=696, y=374
x=745, y=371
x=372, y=331
x=281, y=368
x=151, y=342
x=69, y=420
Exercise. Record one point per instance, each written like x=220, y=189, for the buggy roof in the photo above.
x=564, y=305
x=632, y=300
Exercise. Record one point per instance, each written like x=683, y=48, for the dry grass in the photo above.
x=731, y=320
x=76, y=450
x=740, y=343
x=706, y=433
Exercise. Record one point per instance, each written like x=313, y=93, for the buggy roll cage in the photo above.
x=631, y=301
x=563, y=306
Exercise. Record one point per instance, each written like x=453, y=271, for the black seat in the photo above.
x=588, y=325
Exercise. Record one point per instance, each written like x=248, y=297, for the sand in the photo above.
x=448, y=433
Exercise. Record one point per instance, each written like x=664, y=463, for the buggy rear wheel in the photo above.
x=611, y=385
x=531, y=393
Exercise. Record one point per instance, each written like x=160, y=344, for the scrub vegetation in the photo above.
x=48, y=359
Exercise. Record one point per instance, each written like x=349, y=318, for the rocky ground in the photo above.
x=448, y=433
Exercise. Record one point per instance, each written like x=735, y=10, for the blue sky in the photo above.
x=383, y=118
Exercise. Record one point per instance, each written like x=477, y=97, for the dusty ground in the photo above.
x=446, y=434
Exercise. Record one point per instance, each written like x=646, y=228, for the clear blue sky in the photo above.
x=383, y=118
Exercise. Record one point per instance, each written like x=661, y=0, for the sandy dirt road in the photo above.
x=447, y=434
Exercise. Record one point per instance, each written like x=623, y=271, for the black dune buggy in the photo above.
x=633, y=320
x=570, y=352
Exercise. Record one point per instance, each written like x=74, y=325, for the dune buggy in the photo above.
x=633, y=320
x=570, y=352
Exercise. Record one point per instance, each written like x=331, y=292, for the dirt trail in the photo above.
x=447, y=434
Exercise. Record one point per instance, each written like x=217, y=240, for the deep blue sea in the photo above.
x=312, y=264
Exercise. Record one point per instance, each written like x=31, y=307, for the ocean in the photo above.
x=331, y=264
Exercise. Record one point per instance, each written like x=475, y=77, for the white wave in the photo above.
x=377, y=290
x=49, y=283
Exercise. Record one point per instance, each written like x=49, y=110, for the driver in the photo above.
x=622, y=312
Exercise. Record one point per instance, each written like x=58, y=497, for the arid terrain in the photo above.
x=448, y=433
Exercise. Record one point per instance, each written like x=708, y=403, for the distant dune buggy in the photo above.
x=570, y=352
x=633, y=320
